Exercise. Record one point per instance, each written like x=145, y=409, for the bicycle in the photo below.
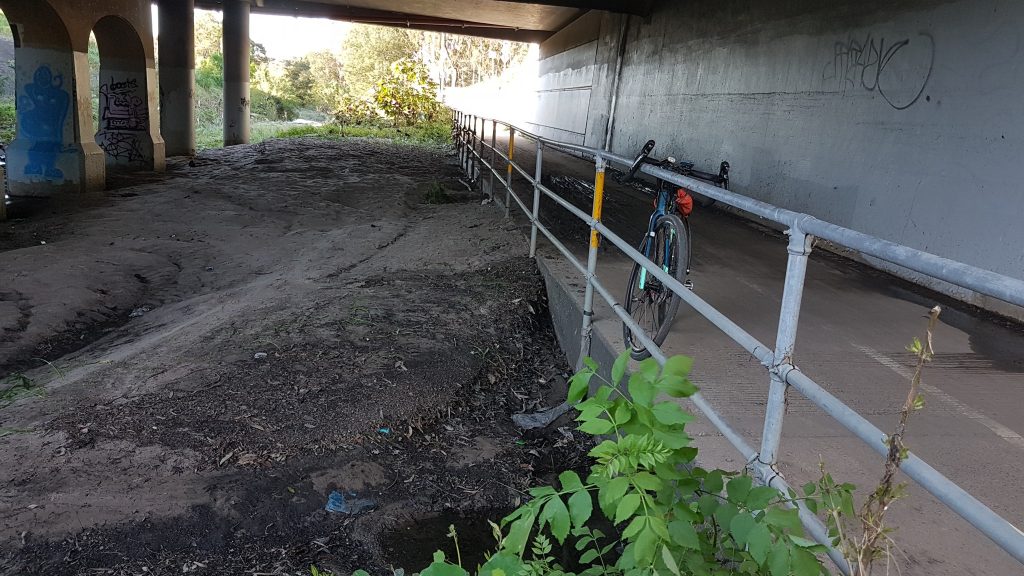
x=667, y=244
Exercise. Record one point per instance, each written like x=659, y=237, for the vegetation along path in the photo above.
x=196, y=366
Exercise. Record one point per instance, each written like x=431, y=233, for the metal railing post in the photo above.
x=508, y=183
x=536, y=199
x=494, y=139
x=478, y=146
x=789, y=317
x=465, y=143
x=457, y=136
x=595, y=240
x=462, y=141
x=479, y=135
x=472, y=149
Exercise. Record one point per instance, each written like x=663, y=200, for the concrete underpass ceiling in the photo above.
x=520, y=20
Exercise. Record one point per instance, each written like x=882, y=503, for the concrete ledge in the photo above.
x=566, y=308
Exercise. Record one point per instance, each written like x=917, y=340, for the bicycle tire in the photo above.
x=654, y=299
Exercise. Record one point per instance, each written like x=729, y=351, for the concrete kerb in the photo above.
x=566, y=310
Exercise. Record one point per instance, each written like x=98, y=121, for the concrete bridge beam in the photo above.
x=236, y=72
x=177, y=76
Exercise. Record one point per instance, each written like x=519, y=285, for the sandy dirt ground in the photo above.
x=194, y=364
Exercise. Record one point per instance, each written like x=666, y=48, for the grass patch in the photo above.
x=425, y=134
x=209, y=136
x=16, y=387
x=4, y=432
x=436, y=194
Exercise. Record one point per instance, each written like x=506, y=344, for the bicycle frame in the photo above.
x=661, y=208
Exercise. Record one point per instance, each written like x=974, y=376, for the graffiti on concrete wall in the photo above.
x=897, y=70
x=42, y=112
x=124, y=118
x=122, y=107
x=123, y=147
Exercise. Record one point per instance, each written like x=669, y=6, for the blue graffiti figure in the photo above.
x=43, y=109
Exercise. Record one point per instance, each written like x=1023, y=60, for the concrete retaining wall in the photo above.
x=902, y=121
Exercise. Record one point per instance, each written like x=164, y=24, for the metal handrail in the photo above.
x=802, y=229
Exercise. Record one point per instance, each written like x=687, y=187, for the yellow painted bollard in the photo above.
x=595, y=237
x=595, y=240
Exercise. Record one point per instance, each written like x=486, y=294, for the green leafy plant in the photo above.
x=664, y=515
x=18, y=386
x=408, y=95
x=668, y=516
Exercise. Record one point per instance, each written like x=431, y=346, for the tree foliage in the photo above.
x=297, y=81
x=209, y=36
x=465, y=60
x=407, y=95
x=329, y=85
x=370, y=51
x=377, y=73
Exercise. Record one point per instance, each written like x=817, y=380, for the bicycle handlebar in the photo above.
x=640, y=159
x=684, y=168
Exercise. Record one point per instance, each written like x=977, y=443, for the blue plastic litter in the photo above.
x=337, y=502
x=384, y=430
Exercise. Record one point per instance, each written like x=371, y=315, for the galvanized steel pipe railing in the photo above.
x=802, y=229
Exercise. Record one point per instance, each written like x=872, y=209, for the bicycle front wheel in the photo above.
x=651, y=304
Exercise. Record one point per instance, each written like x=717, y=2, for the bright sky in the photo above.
x=285, y=37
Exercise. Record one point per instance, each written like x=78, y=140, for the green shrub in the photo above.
x=268, y=106
x=408, y=95
x=356, y=111
x=671, y=516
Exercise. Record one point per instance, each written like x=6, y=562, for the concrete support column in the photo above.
x=177, y=76
x=236, y=72
x=127, y=115
x=53, y=151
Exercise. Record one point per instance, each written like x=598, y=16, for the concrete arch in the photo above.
x=37, y=22
x=50, y=154
x=125, y=115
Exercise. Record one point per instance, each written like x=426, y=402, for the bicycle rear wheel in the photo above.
x=651, y=304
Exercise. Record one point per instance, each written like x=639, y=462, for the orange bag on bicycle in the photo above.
x=684, y=202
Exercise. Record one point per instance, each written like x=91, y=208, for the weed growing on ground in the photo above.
x=12, y=431
x=862, y=535
x=17, y=386
x=436, y=194
x=670, y=516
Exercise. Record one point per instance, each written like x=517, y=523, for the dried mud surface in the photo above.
x=213, y=351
